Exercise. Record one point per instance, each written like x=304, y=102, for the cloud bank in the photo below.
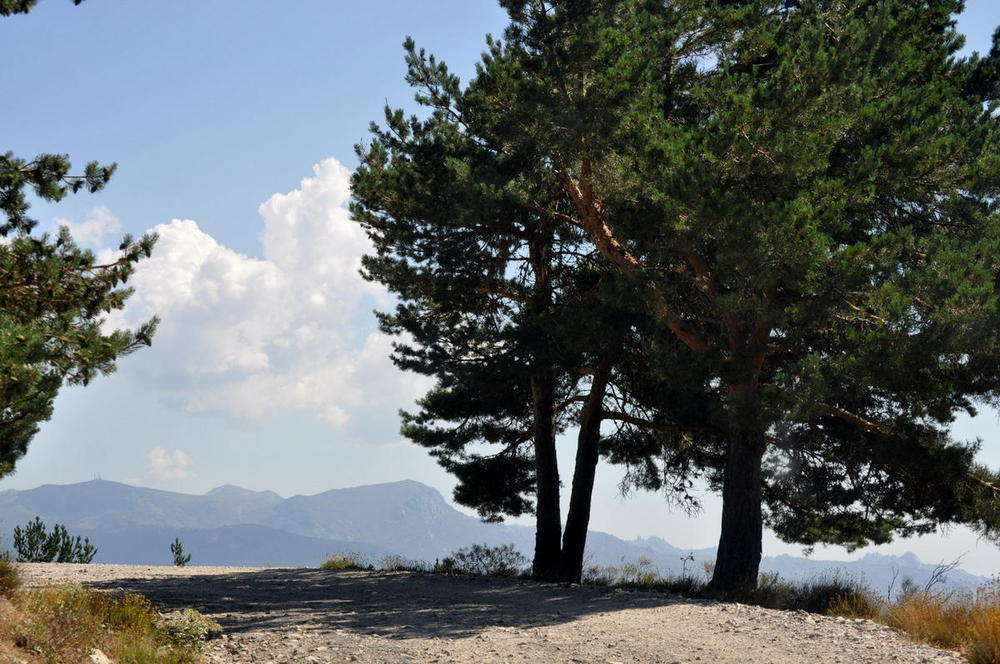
x=92, y=231
x=251, y=337
x=164, y=465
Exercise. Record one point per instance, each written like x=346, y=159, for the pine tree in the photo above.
x=34, y=544
x=53, y=295
x=806, y=190
x=801, y=194
x=177, y=550
x=492, y=303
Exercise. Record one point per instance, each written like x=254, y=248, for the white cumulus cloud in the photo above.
x=98, y=223
x=250, y=337
x=164, y=465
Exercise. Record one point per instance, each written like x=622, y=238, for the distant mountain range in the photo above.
x=233, y=526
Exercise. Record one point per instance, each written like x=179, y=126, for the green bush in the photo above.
x=34, y=544
x=187, y=629
x=484, y=560
x=348, y=560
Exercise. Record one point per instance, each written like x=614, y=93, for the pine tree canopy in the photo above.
x=54, y=295
x=53, y=299
x=802, y=197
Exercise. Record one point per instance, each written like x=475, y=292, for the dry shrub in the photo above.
x=342, y=560
x=856, y=604
x=984, y=628
x=62, y=624
x=966, y=621
x=395, y=563
x=10, y=577
x=641, y=574
x=940, y=620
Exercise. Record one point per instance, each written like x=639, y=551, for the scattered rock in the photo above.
x=98, y=657
x=305, y=615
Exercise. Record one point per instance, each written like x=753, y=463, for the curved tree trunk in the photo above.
x=548, y=524
x=587, y=453
x=738, y=559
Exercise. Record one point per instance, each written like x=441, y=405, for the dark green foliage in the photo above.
x=493, y=294
x=53, y=299
x=801, y=196
x=54, y=296
x=484, y=560
x=34, y=544
x=49, y=177
x=177, y=549
x=824, y=251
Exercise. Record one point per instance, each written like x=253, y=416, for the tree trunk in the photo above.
x=548, y=524
x=587, y=453
x=738, y=559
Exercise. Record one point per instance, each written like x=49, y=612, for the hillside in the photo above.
x=234, y=526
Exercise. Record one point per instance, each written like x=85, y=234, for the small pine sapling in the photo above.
x=180, y=560
x=34, y=544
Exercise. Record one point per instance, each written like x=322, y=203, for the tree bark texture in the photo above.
x=587, y=453
x=738, y=559
x=548, y=524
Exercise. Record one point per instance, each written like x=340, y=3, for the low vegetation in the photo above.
x=65, y=624
x=969, y=622
x=475, y=560
x=484, y=560
x=966, y=622
x=351, y=560
x=35, y=544
x=177, y=549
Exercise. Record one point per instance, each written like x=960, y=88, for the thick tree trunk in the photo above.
x=738, y=559
x=587, y=453
x=548, y=524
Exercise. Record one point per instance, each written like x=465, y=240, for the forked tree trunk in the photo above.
x=587, y=453
x=548, y=525
x=738, y=559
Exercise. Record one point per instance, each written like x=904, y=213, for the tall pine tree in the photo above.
x=53, y=294
x=802, y=195
x=493, y=296
x=807, y=193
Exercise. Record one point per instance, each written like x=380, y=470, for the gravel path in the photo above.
x=318, y=616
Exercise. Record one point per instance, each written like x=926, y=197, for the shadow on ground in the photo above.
x=399, y=605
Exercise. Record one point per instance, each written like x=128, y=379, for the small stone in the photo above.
x=98, y=657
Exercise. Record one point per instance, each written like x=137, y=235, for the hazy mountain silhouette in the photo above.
x=230, y=525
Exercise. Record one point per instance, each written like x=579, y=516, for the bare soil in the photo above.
x=322, y=616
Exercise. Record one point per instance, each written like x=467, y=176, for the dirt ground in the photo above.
x=320, y=616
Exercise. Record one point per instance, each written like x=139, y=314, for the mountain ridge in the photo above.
x=232, y=525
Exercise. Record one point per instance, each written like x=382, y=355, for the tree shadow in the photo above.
x=400, y=605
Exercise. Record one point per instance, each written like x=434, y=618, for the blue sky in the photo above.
x=233, y=124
